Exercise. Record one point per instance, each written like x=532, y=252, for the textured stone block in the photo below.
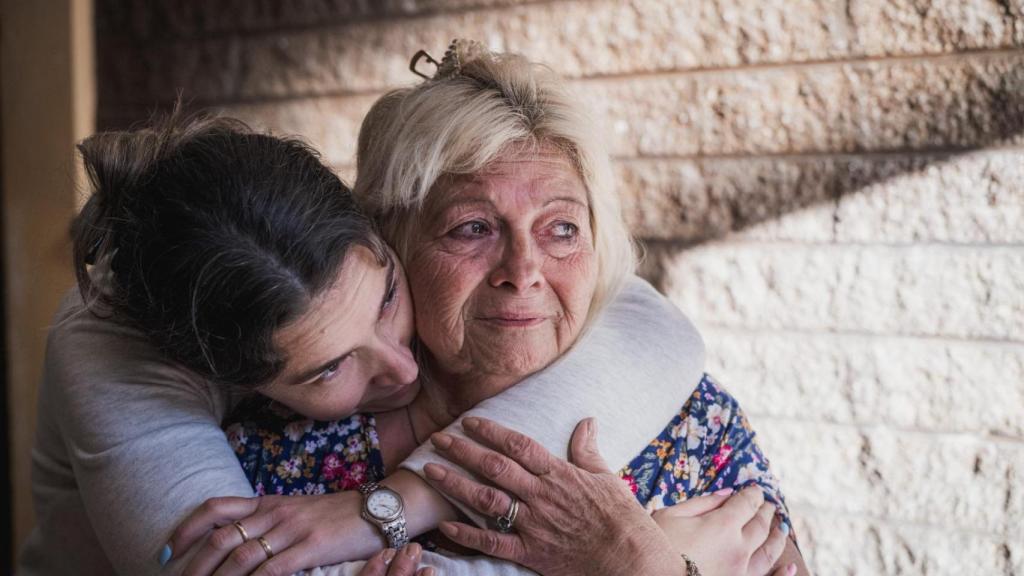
x=923, y=384
x=329, y=124
x=877, y=106
x=884, y=27
x=159, y=19
x=962, y=481
x=962, y=292
x=862, y=546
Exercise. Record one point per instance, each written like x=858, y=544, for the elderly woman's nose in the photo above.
x=519, y=266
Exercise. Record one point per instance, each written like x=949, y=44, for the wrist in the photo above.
x=425, y=508
x=359, y=539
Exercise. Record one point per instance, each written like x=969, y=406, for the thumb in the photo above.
x=583, y=448
x=703, y=504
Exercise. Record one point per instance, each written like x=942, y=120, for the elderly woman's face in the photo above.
x=502, y=266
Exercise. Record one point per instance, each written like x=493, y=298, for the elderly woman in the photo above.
x=497, y=196
x=215, y=263
x=496, y=193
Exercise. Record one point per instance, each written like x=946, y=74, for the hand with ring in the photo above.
x=553, y=517
x=274, y=534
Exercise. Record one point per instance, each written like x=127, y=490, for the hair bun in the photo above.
x=460, y=53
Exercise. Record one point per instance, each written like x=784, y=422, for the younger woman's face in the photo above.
x=350, y=351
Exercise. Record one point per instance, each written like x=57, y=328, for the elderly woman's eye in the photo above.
x=565, y=230
x=471, y=229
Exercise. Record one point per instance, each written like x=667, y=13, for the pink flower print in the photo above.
x=354, y=476
x=720, y=459
x=334, y=466
x=631, y=482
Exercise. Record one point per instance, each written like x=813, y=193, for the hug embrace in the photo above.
x=451, y=368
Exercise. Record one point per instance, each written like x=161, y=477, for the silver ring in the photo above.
x=506, y=521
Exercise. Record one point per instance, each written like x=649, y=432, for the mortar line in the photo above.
x=864, y=335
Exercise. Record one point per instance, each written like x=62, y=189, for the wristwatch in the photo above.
x=384, y=508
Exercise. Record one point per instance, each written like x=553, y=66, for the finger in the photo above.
x=224, y=541
x=428, y=571
x=696, y=506
x=497, y=468
x=741, y=507
x=505, y=546
x=377, y=565
x=527, y=452
x=768, y=554
x=583, y=450
x=295, y=558
x=756, y=531
x=486, y=500
x=211, y=514
x=787, y=570
x=249, y=556
x=406, y=560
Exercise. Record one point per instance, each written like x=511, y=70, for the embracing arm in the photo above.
x=141, y=437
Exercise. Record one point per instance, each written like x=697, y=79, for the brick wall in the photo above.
x=833, y=190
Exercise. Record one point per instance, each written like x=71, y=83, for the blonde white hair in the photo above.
x=462, y=120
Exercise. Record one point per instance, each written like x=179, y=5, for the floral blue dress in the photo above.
x=708, y=446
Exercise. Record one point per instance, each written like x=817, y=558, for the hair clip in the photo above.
x=416, y=60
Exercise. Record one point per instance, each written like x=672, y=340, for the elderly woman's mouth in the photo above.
x=515, y=320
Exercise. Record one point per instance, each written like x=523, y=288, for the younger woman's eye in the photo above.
x=471, y=229
x=330, y=371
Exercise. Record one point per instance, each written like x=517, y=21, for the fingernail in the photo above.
x=441, y=440
x=412, y=550
x=389, y=555
x=435, y=472
x=592, y=427
x=785, y=528
x=791, y=570
x=427, y=572
x=471, y=423
x=448, y=529
x=724, y=492
x=165, y=554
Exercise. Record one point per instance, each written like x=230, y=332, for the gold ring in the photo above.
x=241, y=530
x=266, y=547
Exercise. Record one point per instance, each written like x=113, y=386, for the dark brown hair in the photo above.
x=215, y=237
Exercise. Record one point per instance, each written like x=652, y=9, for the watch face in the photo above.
x=384, y=504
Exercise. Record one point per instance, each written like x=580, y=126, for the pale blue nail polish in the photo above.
x=165, y=555
x=785, y=528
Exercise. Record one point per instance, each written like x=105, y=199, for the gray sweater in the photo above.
x=129, y=443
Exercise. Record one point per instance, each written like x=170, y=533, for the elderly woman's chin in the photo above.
x=499, y=347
